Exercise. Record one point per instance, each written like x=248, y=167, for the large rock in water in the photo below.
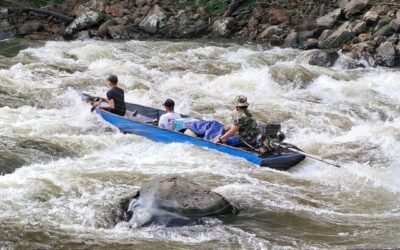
x=386, y=55
x=323, y=58
x=175, y=201
x=85, y=20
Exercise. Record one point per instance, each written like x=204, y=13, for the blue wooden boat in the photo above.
x=282, y=160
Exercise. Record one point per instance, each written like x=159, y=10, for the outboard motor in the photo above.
x=271, y=136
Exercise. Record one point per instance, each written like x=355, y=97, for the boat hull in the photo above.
x=280, y=162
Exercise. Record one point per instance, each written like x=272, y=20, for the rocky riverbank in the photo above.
x=365, y=31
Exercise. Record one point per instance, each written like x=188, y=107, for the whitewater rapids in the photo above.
x=64, y=170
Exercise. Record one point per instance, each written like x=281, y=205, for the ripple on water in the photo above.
x=69, y=171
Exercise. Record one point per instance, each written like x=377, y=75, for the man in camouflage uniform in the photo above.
x=244, y=125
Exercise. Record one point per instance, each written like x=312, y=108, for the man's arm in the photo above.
x=111, y=105
x=231, y=132
x=160, y=122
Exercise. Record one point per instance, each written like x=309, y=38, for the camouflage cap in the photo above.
x=241, y=101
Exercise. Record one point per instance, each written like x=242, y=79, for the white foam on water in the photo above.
x=338, y=111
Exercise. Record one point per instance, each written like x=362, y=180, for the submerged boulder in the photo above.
x=175, y=201
x=324, y=58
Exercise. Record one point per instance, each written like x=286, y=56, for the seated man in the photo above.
x=244, y=125
x=167, y=120
x=115, y=98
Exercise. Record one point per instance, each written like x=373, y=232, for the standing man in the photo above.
x=244, y=125
x=167, y=120
x=115, y=98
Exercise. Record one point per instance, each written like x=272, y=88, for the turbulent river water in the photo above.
x=65, y=171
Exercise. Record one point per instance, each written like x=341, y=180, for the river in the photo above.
x=64, y=170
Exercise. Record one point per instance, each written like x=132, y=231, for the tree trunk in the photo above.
x=41, y=11
x=234, y=5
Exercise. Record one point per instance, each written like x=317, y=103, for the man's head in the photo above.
x=169, y=104
x=112, y=80
x=241, y=102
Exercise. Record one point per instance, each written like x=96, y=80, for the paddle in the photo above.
x=90, y=99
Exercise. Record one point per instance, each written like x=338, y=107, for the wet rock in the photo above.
x=398, y=15
x=359, y=49
x=275, y=40
x=103, y=29
x=380, y=25
x=359, y=28
x=223, y=27
x=329, y=20
x=291, y=40
x=379, y=40
x=323, y=58
x=381, y=9
x=338, y=38
x=155, y=19
x=196, y=29
x=83, y=35
x=371, y=17
x=30, y=27
x=395, y=25
x=9, y=162
x=304, y=35
x=386, y=31
x=324, y=35
x=393, y=39
x=118, y=32
x=175, y=201
x=47, y=147
x=398, y=49
x=269, y=32
x=84, y=21
x=386, y=55
x=311, y=43
x=355, y=7
x=365, y=37
x=116, y=10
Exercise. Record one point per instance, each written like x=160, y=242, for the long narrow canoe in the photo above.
x=281, y=161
